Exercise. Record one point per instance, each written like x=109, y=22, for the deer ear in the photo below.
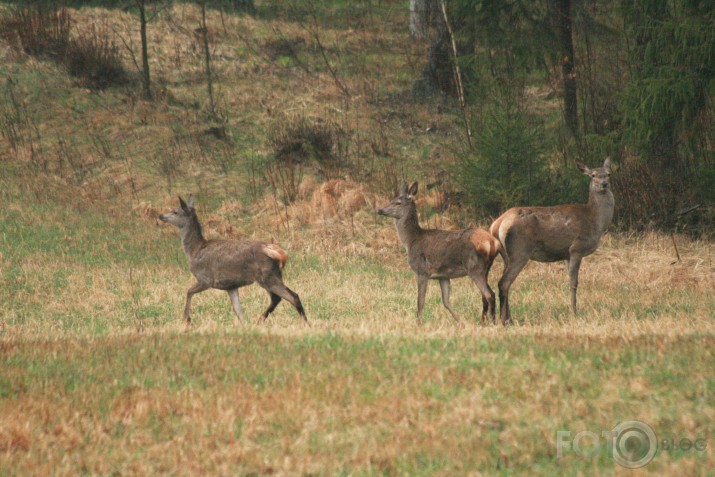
x=183, y=204
x=584, y=168
x=191, y=201
x=413, y=189
x=403, y=189
x=607, y=163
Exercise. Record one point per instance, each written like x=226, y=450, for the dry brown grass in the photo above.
x=351, y=272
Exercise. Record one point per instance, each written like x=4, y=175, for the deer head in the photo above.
x=182, y=216
x=599, y=176
x=401, y=205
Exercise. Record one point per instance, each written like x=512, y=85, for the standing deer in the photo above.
x=549, y=234
x=230, y=264
x=443, y=254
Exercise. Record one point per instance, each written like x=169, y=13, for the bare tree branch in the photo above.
x=457, y=76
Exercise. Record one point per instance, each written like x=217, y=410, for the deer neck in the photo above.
x=408, y=228
x=601, y=205
x=192, y=238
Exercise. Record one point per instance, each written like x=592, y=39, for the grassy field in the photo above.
x=99, y=375
x=262, y=401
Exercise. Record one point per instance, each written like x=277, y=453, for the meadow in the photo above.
x=99, y=375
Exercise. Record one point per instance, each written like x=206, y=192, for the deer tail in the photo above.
x=276, y=253
x=499, y=230
x=487, y=245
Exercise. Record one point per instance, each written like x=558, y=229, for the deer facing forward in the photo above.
x=230, y=264
x=549, y=234
x=443, y=254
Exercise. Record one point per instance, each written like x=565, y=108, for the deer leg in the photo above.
x=233, y=295
x=488, y=300
x=197, y=287
x=275, y=299
x=444, y=285
x=485, y=310
x=275, y=286
x=574, y=265
x=512, y=270
x=421, y=292
x=297, y=304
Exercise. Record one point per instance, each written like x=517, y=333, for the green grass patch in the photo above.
x=356, y=405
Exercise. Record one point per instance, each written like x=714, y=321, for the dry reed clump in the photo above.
x=334, y=201
x=339, y=214
x=307, y=186
x=340, y=198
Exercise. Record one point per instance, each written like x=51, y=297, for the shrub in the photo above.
x=94, y=58
x=505, y=168
x=44, y=29
x=297, y=142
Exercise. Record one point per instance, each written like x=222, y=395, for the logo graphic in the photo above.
x=633, y=443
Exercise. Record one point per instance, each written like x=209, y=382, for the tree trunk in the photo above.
x=146, y=78
x=419, y=19
x=204, y=30
x=437, y=75
x=562, y=24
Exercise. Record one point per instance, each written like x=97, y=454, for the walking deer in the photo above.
x=230, y=264
x=443, y=254
x=549, y=234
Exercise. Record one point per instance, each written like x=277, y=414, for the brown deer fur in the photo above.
x=550, y=234
x=443, y=254
x=230, y=264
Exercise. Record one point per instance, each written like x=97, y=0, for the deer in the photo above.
x=230, y=264
x=550, y=234
x=435, y=254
